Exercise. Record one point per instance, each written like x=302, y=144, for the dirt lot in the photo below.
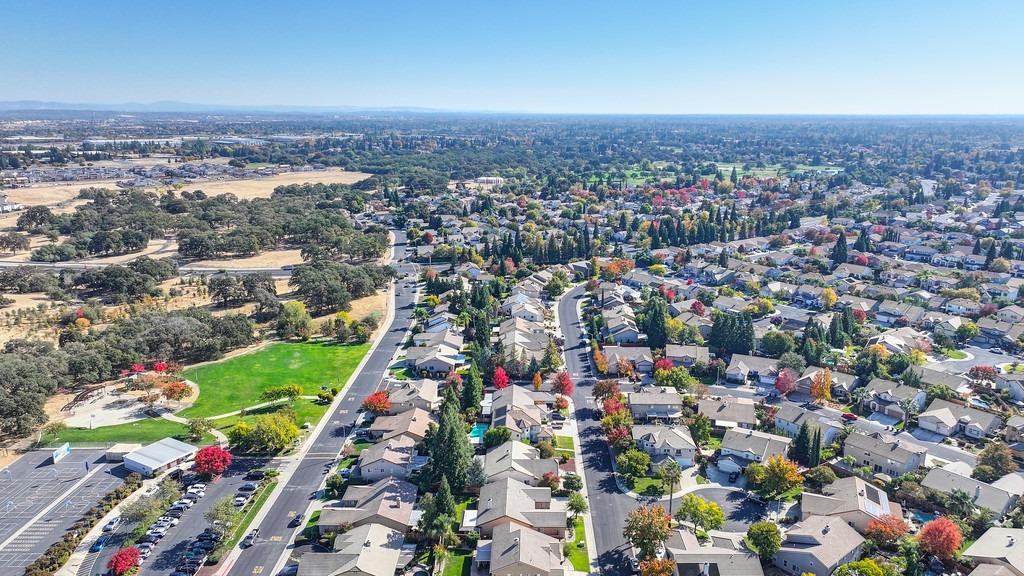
x=269, y=259
x=262, y=187
x=50, y=194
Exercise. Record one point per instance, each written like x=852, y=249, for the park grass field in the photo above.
x=238, y=382
x=141, y=432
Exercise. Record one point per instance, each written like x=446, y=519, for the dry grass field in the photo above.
x=262, y=187
x=269, y=259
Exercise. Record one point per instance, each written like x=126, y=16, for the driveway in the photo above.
x=739, y=512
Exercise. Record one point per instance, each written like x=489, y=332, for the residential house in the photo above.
x=884, y=397
x=884, y=453
x=1012, y=314
x=1000, y=496
x=524, y=412
x=852, y=500
x=687, y=355
x=433, y=361
x=388, y=502
x=367, y=550
x=1014, y=383
x=661, y=406
x=392, y=457
x=620, y=325
x=999, y=551
x=743, y=366
x=515, y=550
x=412, y=423
x=510, y=501
x=892, y=313
x=729, y=412
x=639, y=357
x=1013, y=434
x=818, y=545
x=406, y=395
x=962, y=307
x=791, y=417
x=666, y=443
x=741, y=447
x=720, y=559
x=949, y=418
x=519, y=461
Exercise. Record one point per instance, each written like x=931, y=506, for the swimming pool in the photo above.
x=922, y=517
x=477, y=431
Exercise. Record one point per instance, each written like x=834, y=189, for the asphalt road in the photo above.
x=608, y=506
x=40, y=500
x=739, y=512
x=275, y=534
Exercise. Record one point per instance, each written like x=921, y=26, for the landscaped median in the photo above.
x=248, y=513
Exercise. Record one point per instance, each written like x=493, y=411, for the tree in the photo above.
x=476, y=475
x=698, y=308
x=821, y=386
x=776, y=343
x=606, y=389
x=765, y=538
x=223, y=515
x=657, y=567
x=820, y=475
x=785, y=382
x=572, y=482
x=886, y=530
x=600, y=361
x=563, y=384
x=966, y=332
x=775, y=477
x=449, y=448
x=500, y=378
x=444, y=502
x=999, y=458
x=264, y=434
x=802, y=443
x=633, y=463
x=472, y=389
x=793, y=361
x=496, y=436
x=703, y=514
x=378, y=402
x=840, y=252
x=910, y=551
x=123, y=560
x=646, y=529
x=211, y=461
x=289, y=391
x=828, y=298
x=657, y=315
x=700, y=429
x=865, y=567
x=294, y=321
x=960, y=503
x=670, y=474
x=940, y=537
x=550, y=480
x=577, y=504
x=176, y=390
x=552, y=356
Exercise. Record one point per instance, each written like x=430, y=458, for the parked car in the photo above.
x=249, y=487
x=112, y=524
x=849, y=416
x=100, y=542
x=174, y=521
x=256, y=475
x=297, y=520
x=146, y=548
x=250, y=538
x=241, y=500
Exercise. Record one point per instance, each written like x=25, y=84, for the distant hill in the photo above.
x=171, y=106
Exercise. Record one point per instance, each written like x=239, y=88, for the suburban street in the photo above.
x=608, y=506
x=276, y=536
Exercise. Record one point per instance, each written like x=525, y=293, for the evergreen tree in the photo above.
x=840, y=252
x=836, y=337
x=657, y=315
x=863, y=243
x=814, y=456
x=450, y=451
x=991, y=254
x=472, y=389
x=444, y=502
x=977, y=247
x=802, y=444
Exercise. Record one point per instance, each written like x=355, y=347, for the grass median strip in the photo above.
x=243, y=525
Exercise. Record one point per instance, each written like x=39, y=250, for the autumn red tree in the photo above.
x=986, y=373
x=454, y=379
x=212, y=461
x=176, y=390
x=860, y=316
x=619, y=436
x=160, y=366
x=697, y=308
x=941, y=537
x=886, y=530
x=561, y=402
x=785, y=382
x=612, y=406
x=860, y=260
x=377, y=403
x=563, y=384
x=657, y=567
x=606, y=389
x=123, y=560
x=550, y=480
x=138, y=367
x=664, y=364
x=500, y=378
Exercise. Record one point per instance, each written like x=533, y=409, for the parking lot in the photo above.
x=39, y=500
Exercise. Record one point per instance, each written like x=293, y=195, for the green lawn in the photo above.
x=459, y=563
x=565, y=442
x=143, y=432
x=712, y=445
x=461, y=506
x=955, y=354
x=305, y=411
x=648, y=485
x=577, y=550
x=237, y=383
x=402, y=374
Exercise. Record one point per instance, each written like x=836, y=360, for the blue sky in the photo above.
x=825, y=56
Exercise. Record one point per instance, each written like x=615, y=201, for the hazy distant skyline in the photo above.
x=870, y=57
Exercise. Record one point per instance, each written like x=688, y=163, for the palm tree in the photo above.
x=670, y=474
x=440, y=529
x=909, y=407
x=859, y=395
x=960, y=503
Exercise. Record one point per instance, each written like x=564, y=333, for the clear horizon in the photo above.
x=914, y=58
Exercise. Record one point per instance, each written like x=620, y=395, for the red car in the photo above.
x=849, y=416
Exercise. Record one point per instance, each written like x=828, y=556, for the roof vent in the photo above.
x=516, y=540
x=1011, y=540
x=826, y=529
x=367, y=544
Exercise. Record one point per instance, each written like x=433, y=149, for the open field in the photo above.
x=268, y=259
x=50, y=194
x=141, y=432
x=236, y=383
x=262, y=187
x=305, y=411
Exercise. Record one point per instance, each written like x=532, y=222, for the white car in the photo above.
x=241, y=500
x=197, y=486
x=145, y=549
x=174, y=521
x=157, y=532
x=184, y=502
